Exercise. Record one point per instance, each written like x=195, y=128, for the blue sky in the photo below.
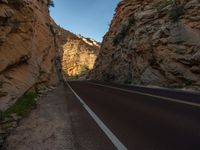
x=89, y=18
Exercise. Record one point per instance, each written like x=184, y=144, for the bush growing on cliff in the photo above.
x=164, y=4
x=14, y=1
x=84, y=69
x=15, y=26
x=128, y=79
x=176, y=12
x=120, y=36
x=176, y=9
x=124, y=30
x=1, y=116
x=41, y=72
x=50, y=3
x=1, y=84
x=108, y=77
x=152, y=61
x=188, y=82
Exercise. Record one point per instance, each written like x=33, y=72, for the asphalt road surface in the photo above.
x=143, y=118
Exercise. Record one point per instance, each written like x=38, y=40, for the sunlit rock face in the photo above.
x=79, y=55
x=152, y=42
x=28, y=48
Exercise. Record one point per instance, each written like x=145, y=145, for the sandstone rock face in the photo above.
x=152, y=42
x=28, y=48
x=79, y=54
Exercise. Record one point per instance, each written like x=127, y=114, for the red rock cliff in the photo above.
x=28, y=48
x=152, y=42
x=79, y=54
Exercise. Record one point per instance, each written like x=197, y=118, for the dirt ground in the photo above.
x=46, y=128
x=59, y=122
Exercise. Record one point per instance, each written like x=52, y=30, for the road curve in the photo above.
x=145, y=120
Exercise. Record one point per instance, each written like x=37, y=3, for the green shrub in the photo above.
x=128, y=79
x=1, y=115
x=23, y=105
x=1, y=84
x=84, y=69
x=165, y=3
x=188, y=82
x=87, y=76
x=51, y=3
x=41, y=72
x=124, y=30
x=14, y=1
x=176, y=12
x=15, y=26
x=108, y=77
x=152, y=61
x=120, y=36
x=76, y=77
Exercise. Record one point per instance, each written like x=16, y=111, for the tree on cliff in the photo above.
x=50, y=3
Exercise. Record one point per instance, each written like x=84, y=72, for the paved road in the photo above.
x=142, y=118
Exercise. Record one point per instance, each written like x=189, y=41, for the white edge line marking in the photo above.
x=151, y=95
x=116, y=142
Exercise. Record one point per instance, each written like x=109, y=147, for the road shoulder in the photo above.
x=59, y=123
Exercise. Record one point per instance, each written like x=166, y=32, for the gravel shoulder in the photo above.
x=58, y=123
x=46, y=128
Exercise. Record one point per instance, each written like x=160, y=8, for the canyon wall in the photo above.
x=79, y=54
x=152, y=42
x=29, y=49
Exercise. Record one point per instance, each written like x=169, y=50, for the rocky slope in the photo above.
x=28, y=48
x=79, y=54
x=152, y=42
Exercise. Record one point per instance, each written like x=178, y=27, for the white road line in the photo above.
x=116, y=142
x=151, y=95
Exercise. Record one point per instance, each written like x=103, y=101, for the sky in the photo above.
x=89, y=18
